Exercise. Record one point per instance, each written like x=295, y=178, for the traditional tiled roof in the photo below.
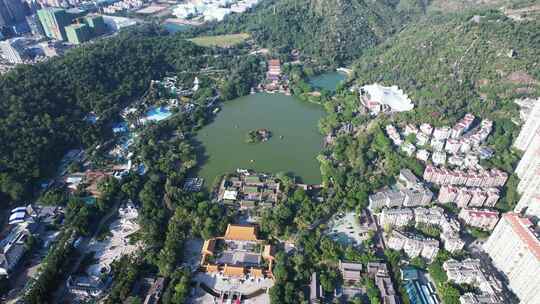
x=208, y=246
x=241, y=233
x=212, y=268
x=256, y=272
x=233, y=271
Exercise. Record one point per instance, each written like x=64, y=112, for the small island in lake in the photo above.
x=259, y=135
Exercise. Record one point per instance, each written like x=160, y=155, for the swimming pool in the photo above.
x=158, y=113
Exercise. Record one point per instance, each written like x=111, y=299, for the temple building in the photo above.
x=239, y=253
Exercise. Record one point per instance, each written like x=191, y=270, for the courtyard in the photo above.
x=347, y=229
x=253, y=290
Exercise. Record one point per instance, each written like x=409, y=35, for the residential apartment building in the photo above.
x=426, y=128
x=410, y=129
x=439, y=158
x=429, y=216
x=411, y=193
x=379, y=272
x=464, y=272
x=422, y=139
x=462, y=126
x=529, y=188
x=351, y=272
x=12, y=13
x=471, y=272
x=530, y=128
x=413, y=245
x=408, y=179
x=78, y=33
x=408, y=148
x=514, y=248
x=493, y=195
x=480, y=218
x=398, y=198
x=452, y=146
x=14, y=50
x=417, y=197
x=469, y=197
x=437, y=144
x=394, y=135
x=528, y=169
x=478, y=198
x=456, y=160
x=463, y=197
x=479, y=135
x=471, y=298
x=448, y=194
x=482, y=178
x=451, y=240
x=441, y=133
x=398, y=217
x=54, y=20
x=450, y=224
x=422, y=155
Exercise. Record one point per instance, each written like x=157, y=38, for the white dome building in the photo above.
x=379, y=98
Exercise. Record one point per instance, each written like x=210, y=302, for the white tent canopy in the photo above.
x=392, y=97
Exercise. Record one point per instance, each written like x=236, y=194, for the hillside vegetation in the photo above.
x=446, y=6
x=458, y=63
x=450, y=65
x=330, y=31
x=44, y=105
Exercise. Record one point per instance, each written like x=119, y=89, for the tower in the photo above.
x=54, y=21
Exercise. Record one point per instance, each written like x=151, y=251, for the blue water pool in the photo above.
x=158, y=113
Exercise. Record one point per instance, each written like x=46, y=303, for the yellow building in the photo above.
x=238, y=253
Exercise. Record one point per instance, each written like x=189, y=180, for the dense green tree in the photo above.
x=333, y=32
x=171, y=253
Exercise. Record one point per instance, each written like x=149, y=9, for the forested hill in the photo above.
x=329, y=31
x=450, y=64
x=44, y=105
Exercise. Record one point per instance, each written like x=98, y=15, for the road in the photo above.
x=379, y=232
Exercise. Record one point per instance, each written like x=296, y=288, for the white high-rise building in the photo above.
x=529, y=187
x=13, y=50
x=514, y=248
x=529, y=129
x=528, y=169
x=530, y=157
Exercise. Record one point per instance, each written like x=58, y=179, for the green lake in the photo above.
x=327, y=81
x=223, y=146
